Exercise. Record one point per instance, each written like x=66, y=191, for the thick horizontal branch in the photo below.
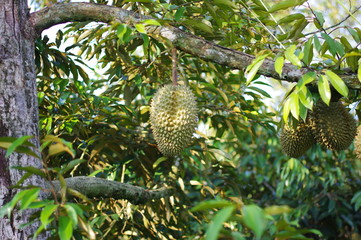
x=196, y=46
x=101, y=188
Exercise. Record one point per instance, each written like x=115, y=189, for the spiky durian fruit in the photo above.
x=296, y=141
x=173, y=117
x=333, y=126
x=358, y=143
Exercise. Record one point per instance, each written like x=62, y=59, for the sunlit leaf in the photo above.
x=46, y=213
x=337, y=83
x=294, y=105
x=324, y=89
x=252, y=69
x=279, y=62
x=290, y=56
x=286, y=109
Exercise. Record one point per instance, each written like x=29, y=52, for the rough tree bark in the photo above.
x=18, y=107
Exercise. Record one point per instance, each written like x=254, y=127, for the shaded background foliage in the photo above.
x=103, y=111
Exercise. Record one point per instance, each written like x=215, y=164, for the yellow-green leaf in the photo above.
x=324, y=89
x=59, y=148
x=140, y=28
x=252, y=69
x=294, y=105
x=337, y=83
x=279, y=62
x=290, y=56
x=286, y=109
x=359, y=72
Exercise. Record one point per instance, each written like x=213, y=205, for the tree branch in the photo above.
x=196, y=46
x=102, y=188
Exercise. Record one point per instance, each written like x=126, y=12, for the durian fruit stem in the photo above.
x=174, y=67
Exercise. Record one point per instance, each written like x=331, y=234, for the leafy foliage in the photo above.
x=233, y=182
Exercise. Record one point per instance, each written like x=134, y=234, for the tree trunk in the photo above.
x=18, y=108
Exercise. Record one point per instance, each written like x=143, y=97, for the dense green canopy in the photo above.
x=95, y=84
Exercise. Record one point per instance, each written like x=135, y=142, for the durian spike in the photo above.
x=296, y=141
x=358, y=143
x=333, y=126
x=173, y=118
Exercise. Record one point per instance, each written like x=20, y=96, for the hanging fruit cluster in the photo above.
x=331, y=126
x=173, y=117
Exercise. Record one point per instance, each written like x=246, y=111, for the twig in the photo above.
x=335, y=25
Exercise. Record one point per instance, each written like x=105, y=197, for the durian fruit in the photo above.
x=296, y=141
x=358, y=143
x=333, y=126
x=173, y=118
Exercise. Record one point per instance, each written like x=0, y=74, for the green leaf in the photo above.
x=65, y=229
x=261, y=91
x=16, y=144
x=294, y=105
x=72, y=213
x=279, y=62
x=290, y=18
x=290, y=56
x=159, y=160
x=252, y=69
x=151, y=22
x=140, y=28
x=217, y=222
x=305, y=97
x=324, y=89
x=70, y=165
x=306, y=79
x=46, y=213
x=317, y=43
x=285, y=4
x=308, y=52
x=286, y=109
x=337, y=83
x=198, y=24
x=179, y=13
x=356, y=199
x=255, y=218
x=29, y=196
x=211, y=204
x=320, y=18
x=331, y=44
x=354, y=34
